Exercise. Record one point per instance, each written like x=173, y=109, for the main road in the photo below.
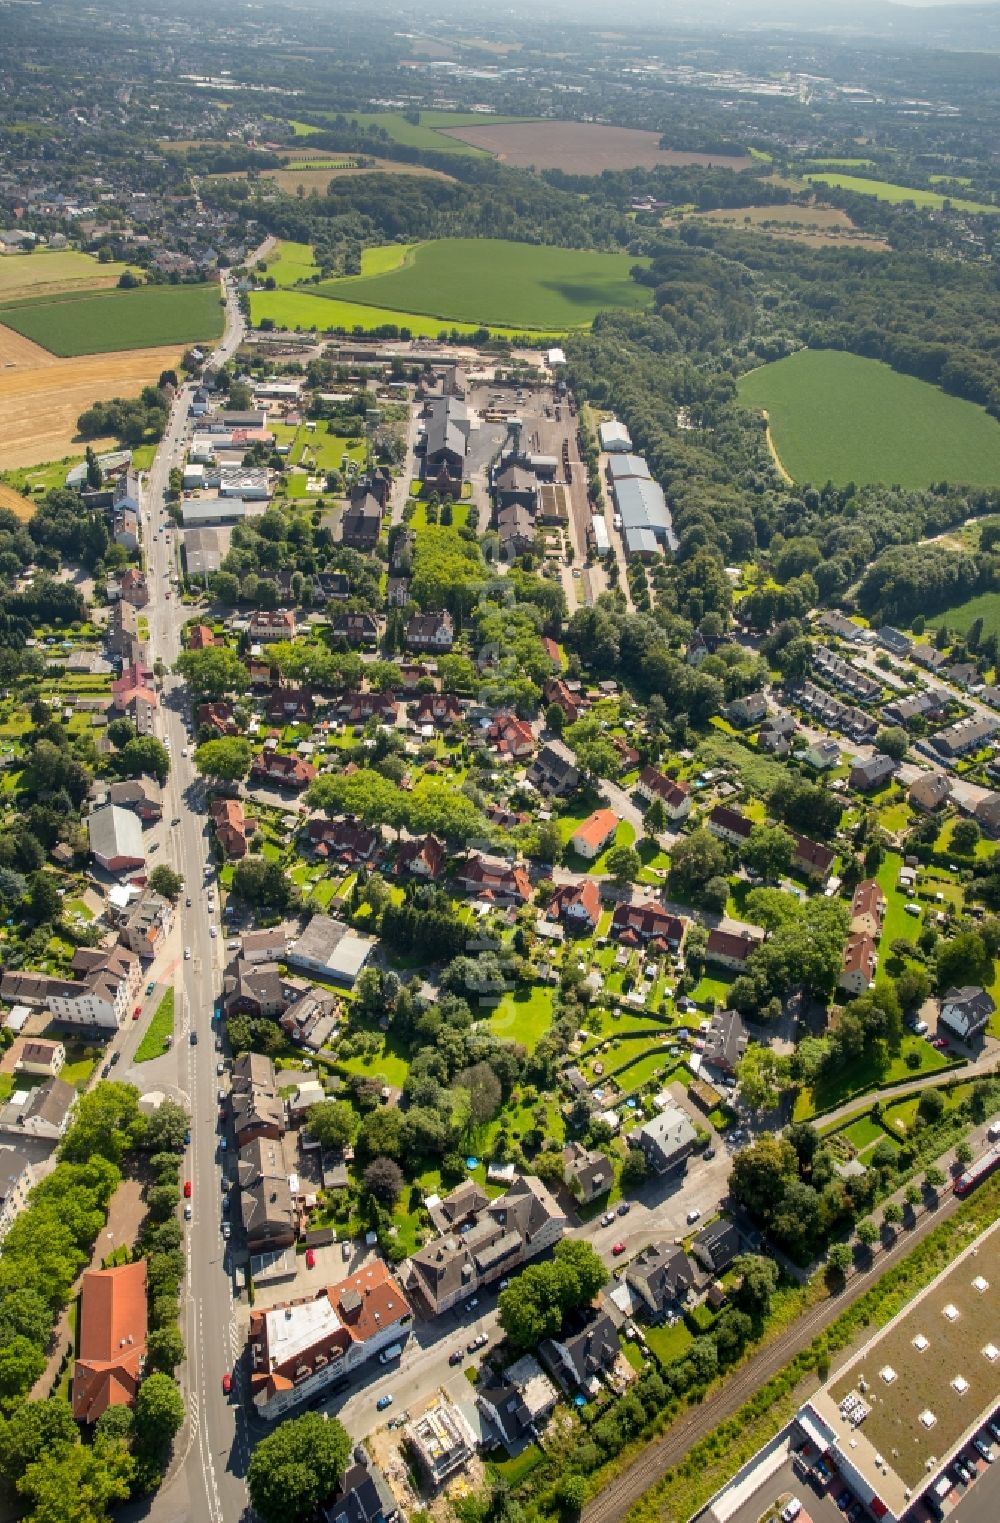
x=206, y=1481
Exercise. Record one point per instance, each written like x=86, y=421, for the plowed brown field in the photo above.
x=41, y=396
x=581, y=147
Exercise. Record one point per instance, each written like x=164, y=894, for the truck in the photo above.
x=993, y=1131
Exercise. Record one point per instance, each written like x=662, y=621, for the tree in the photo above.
x=485, y=1094
x=655, y=818
x=577, y=1257
x=554, y=719
x=164, y=1131
x=762, y=1073
x=296, y=1467
x=867, y=1232
x=333, y=1123
x=913, y=986
x=165, y=881
x=695, y=860
x=33, y=1429
x=934, y=1177
x=963, y=1153
x=262, y=883
x=106, y=1123
x=227, y=759
x=963, y=960
x=44, y=899
x=965, y=837
x=214, y=671
x=893, y=1213
x=21, y=1363
x=768, y=851
x=571, y=1492
x=838, y=1260
x=758, y=1282
x=165, y=1349
x=624, y=864
x=88, y=1477
x=145, y=754
x=159, y=1413
x=384, y=1180
x=634, y=1169
x=893, y=742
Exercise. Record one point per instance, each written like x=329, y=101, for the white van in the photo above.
x=389, y=1354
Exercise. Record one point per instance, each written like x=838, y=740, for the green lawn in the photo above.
x=154, y=1042
x=669, y=1343
x=425, y=133
x=863, y=1077
x=837, y=417
x=897, y=194
x=97, y=322
x=20, y=274
x=985, y=606
x=493, y=281
x=390, y=1061
x=524, y=1015
x=297, y=309
x=293, y=262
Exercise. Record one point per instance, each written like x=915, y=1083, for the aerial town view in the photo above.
x=499, y=762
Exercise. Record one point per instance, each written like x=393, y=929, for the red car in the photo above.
x=227, y=1384
x=136, y=1012
x=618, y=1250
x=187, y=1189
x=310, y=1259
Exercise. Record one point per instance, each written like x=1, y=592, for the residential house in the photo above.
x=331, y=586
x=397, y=591
x=361, y=524
x=111, y=1340
x=358, y=708
x=964, y=674
x=43, y=1112
x=588, y=1174
x=966, y=736
x=217, y=717
x=812, y=859
x=555, y=691
x=330, y=950
x=268, y=1211
x=434, y=632
x=894, y=641
x=134, y=587
x=857, y=969
x=198, y=637
x=870, y=775
x=595, y=833
x=931, y=659
x=440, y=1441
x=116, y=839
x=257, y=1112
x=140, y=794
x=231, y=827
x=421, y=857
x=966, y=1011
x=500, y=1236
x=725, y=1041
x=312, y=1020
x=731, y=949
x=868, y=909
x=729, y=825
x=99, y=995
x=576, y=1361
x=290, y=705
x=662, y=1276
x=675, y=797
x=356, y=629
x=930, y=792
x=836, y=623
x=987, y=813
x=749, y=709
x=554, y=770
x=34, y=1055
x=343, y=839
x=776, y=734
x=147, y=925
x=363, y=1496
x=123, y=631
x=516, y=1404
x=578, y=904
x=716, y=1246
x=272, y=769
x=264, y=946
x=17, y=1178
x=442, y=710
x=510, y=737
x=270, y=626
x=257, y=989
x=821, y=755
x=647, y=924
x=492, y=877
x=665, y=1140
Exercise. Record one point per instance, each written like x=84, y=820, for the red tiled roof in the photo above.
x=112, y=1339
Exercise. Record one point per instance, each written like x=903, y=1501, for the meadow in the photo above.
x=896, y=194
x=47, y=272
x=834, y=416
x=426, y=133
x=99, y=322
x=985, y=606
x=494, y=282
x=299, y=309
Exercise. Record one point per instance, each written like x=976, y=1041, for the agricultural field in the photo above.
x=48, y=273
x=41, y=397
x=985, y=606
x=896, y=194
x=577, y=147
x=98, y=322
x=295, y=309
x=491, y=281
x=819, y=226
x=834, y=416
x=429, y=133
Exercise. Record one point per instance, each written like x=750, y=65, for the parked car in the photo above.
x=625, y=1208
x=136, y=1012
x=791, y=1510
x=383, y=1403
x=188, y=1213
x=694, y=1215
x=227, y=1384
x=844, y=1500
x=455, y=1357
x=607, y=1218
x=226, y=1231
x=150, y=986
x=187, y=954
x=345, y=1251
x=983, y=1448
x=618, y=1250
x=310, y=1259
x=963, y=1472
x=188, y=1189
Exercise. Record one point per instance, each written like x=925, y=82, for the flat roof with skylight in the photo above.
x=922, y=1387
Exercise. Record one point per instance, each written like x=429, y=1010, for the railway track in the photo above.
x=621, y=1494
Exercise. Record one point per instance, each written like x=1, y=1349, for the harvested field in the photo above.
x=21, y=507
x=19, y=353
x=41, y=403
x=821, y=226
x=289, y=180
x=580, y=147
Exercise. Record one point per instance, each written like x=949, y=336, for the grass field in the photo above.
x=294, y=262
x=154, y=1042
x=98, y=322
x=47, y=272
x=834, y=416
x=426, y=134
x=297, y=309
x=492, y=281
x=986, y=607
x=896, y=194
